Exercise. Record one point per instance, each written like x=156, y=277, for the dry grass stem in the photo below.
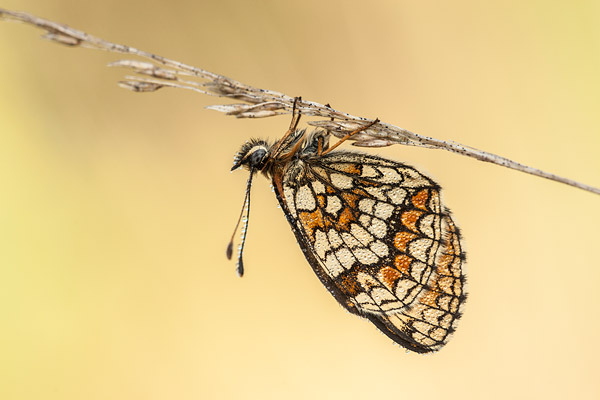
x=256, y=102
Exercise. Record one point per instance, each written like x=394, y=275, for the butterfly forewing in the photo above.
x=377, y=236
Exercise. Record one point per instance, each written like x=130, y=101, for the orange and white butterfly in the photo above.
x=373, y=230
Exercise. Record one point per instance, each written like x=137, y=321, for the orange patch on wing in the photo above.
x=351, y=199
x=419, y=200
x=346, y=217
x=429, y=298
x=321, y=200
x=312, y=220
x=348, y=285
x=354, y=169
x=443, y=264
x=401, y=240
x=389, y=276
x=365, y=182
x=402, y=263
x=409, y=219
x=361, y=193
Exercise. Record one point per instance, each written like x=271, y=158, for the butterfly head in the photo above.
x=253, y=155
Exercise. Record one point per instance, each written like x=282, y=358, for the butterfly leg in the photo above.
x=293, y=125
x=350, y=134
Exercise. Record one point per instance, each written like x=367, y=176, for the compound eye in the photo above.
x=253, y=158
x=257, y=158
x=254, y=154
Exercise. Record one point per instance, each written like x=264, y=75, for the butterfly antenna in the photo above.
x=245, y=211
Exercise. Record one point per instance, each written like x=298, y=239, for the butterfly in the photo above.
x=373, y=230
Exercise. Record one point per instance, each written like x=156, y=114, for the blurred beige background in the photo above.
x=116, y=207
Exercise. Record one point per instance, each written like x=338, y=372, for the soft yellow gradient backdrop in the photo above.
x=116, y=207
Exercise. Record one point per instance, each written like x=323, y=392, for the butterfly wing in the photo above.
x=377, y=236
